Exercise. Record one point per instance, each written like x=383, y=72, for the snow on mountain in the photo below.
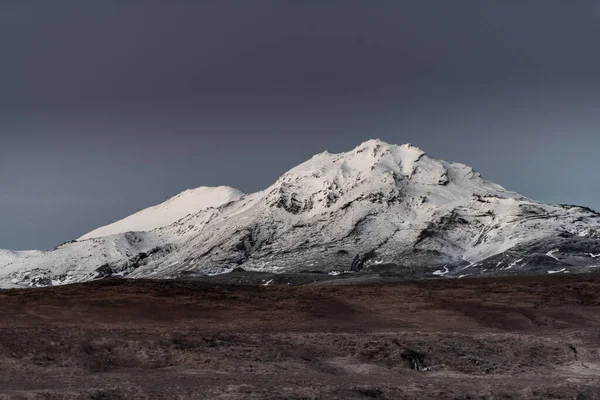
x=189, y=202
x=379, y=207
x=77, y=260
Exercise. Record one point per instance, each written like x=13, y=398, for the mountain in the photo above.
x=378, y=208
x=191, y=201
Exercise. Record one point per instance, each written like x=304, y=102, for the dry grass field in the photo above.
x=522, y=338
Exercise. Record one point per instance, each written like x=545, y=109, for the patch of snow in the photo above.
x=559, y=271
x=594, y=255
x=439, y=272
x=267, y=283
x=10, y=286
x=514, y=263
x=551, y=254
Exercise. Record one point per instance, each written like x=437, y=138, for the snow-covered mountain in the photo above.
x=380, y=207
x=191, y=201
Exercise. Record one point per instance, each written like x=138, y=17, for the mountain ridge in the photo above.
x=380, y=208
x=187, y=202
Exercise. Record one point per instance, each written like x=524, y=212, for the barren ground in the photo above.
x=521, y=338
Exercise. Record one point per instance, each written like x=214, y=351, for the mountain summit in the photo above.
x=189, y=202
x=381, y=208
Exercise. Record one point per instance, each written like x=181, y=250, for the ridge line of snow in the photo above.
x=188, y=202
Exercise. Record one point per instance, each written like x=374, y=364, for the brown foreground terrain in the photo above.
x=524, y=338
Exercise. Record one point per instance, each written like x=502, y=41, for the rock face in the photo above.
x=380, y=207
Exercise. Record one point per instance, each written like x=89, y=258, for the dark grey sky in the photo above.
x=108, y=107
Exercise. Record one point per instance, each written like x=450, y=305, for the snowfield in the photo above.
x=191, y=201
x=378, y=207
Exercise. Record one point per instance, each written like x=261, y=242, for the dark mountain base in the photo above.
x=379, y=274
x=501, y=338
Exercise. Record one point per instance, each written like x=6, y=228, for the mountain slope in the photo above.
x=189, y=202
x=380, y=208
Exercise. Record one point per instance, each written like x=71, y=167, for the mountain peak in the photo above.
x=372, y=160
x=187, y=202
x=375, y=168
x=377, y=205
x=378, y=145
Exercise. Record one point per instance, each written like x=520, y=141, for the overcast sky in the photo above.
x=107, y=107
